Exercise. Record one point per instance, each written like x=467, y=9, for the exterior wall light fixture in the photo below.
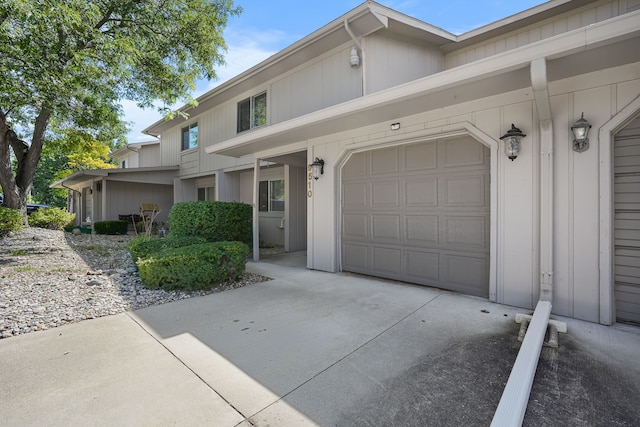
x=317, y=168
x=354, y=58
x=512, y=142
x=580, y=131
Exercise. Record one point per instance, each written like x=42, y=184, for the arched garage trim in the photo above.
x=607, y=281
x=441, y=132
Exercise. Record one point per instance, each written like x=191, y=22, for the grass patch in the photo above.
x=19, y=252
x=23, y=268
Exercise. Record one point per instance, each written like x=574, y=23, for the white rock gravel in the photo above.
x=50, y=278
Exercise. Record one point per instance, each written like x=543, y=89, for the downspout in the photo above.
x=256, y=210
x=359, y=47
x=513, y=404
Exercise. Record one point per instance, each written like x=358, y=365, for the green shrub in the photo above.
x=10, y=220
x=143, y=246
x=194, y=267
x=51, y=218
x=111, y=227
x=215, y=221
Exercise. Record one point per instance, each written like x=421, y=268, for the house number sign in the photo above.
x=309, y=181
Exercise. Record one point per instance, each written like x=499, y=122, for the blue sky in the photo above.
x=266, y=27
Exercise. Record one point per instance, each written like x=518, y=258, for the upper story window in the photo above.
x=124, y=164
x=190, y=136
x=252, y=112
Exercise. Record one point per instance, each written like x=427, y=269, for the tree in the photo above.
x=69, y=152
x=72, y=61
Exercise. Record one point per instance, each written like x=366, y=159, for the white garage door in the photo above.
x=627, y=223
x=419, y=213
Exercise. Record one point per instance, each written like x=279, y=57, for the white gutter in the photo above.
x=515, y=397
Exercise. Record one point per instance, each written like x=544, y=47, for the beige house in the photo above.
x=422, y=181
x=111, y=194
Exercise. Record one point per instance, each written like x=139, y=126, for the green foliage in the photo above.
x=215, y=221
x=144, y=246
x=111, y=227
x=194, y=267
x=51, y=218
x=70, y=63
x=10, y=220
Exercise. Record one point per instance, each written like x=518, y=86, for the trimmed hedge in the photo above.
x=51, y=218
x=194, y=267
x=111, y=227
x=215, y=221
x=143, y=246
x=10, y=220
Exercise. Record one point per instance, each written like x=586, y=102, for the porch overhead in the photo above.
x=603, y=45
x=152, y=175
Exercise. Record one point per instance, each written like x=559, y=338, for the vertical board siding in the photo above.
x=390, y=61
x=552, y=27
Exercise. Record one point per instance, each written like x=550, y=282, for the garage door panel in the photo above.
x=466, y=230
x=423, y=267
x=356, y=166
x=422, y=193
x=464, y=272
x=385, y=194
x=387, y=262
x=356, y=257
x=467, y=191
x=355, y=226
x=384, y=161
x=420, y=157
x=355, y=195
x=463, y=152
x=422, y=229
x=386, y=227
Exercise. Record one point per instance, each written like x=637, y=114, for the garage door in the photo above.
x=627, y=223
x=419, y=213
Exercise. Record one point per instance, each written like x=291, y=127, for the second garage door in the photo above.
x=419, y=213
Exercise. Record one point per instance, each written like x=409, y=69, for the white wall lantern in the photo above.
x=512, y=142
x=317, y=168
x=580, y=131
x=354, y=58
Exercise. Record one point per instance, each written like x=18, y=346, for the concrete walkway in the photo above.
x=313, y=348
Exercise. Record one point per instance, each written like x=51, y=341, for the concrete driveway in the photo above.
x=313, y=348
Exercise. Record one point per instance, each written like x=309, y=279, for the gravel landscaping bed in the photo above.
x=50, y=278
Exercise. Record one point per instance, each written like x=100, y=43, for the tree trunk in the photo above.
x=16, y=187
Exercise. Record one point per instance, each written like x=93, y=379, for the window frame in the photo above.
x=188, y=131
x=252, y=121
x=266, y=198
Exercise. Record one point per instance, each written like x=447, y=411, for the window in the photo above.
x=206, y=194
x=124, y=164
x=252, y=112
x=271, y=196
x=190, y=136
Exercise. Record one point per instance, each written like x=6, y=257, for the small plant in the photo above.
x=215, y=221
x=194, y=267
x=10, y=220
x=23, y=268
x=19, y=252
x=51, y=218
x=144, y=246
